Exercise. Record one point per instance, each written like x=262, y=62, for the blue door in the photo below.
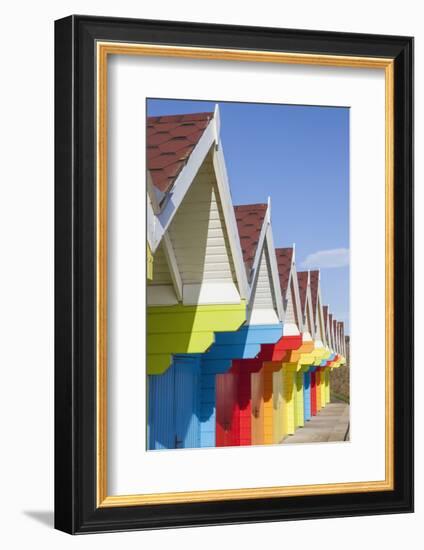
x=173, y=406
x=161, y=432
x=187, y=397
x=307, y=395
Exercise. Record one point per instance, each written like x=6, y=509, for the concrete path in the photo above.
x=330, y=424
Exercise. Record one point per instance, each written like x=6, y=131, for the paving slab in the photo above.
x=330, y=424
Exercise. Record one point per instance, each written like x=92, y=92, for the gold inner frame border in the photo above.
x=103, y=50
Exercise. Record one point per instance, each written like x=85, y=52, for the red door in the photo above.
x=313, y=394
x=244, y=406
x=257, y=431
x=227, y=418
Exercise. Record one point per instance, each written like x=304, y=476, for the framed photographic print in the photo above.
x=234, y=288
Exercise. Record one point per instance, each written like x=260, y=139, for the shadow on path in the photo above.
x=330, y=424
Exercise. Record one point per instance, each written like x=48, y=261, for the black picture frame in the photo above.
x=75, y=275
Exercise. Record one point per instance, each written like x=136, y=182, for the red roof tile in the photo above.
x=342, y=334
x=314, y=291
x=250, y=219
x=284, y=263
x=325, y=312
x=302, y=277
x=335, y=332
x=170, y=142
x=340, y=327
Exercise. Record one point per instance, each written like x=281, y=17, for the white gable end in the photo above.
x=200, y=243
x=262, y=307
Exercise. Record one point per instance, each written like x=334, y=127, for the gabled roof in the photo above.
x=330, y=331
x=284, y=263
x=170, y=140
x=314, y=282
x=327, y=336
x=340, y=326
x=257, y=246
x=250, y=219
x=325, y=312
x=302, y=277
x=304, y=285
x=179, y=147
x=335, y=337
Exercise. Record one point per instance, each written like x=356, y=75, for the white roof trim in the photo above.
x=173, y=266
x=217, y=125
x=326, y=328
x=154, y=194
x=151, y=223
x=230, y=220
x=274, y=272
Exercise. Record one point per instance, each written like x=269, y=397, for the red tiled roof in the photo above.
x=170, y=142
x=340, y=326
x=302, y=277
x=314, y=291
x=284, y=263
x=335, y=332
x=250, y=218
x=325, y=313
x=342, y=334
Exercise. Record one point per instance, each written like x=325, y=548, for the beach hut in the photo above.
x=263, y=319
x=336, y=340
x=196, y=287
x=263, y=325
x=304, y=357
x=277, y=386
x=283, y=383
x=322, y=352
x=329, y=347
x=262, y=417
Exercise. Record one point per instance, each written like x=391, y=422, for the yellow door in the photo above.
x=327, y=385
x=300, y=416
x=278, y=424
x=288, y=379
x=323, y=388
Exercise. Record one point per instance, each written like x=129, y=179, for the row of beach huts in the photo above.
x=239, y=343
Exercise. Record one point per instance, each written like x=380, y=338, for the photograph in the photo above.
x=247, y=269
x=233, y=235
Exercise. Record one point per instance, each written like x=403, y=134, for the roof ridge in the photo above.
x=251, y=205
x=179, y=117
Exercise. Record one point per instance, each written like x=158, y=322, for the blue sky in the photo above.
x=299, y=156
